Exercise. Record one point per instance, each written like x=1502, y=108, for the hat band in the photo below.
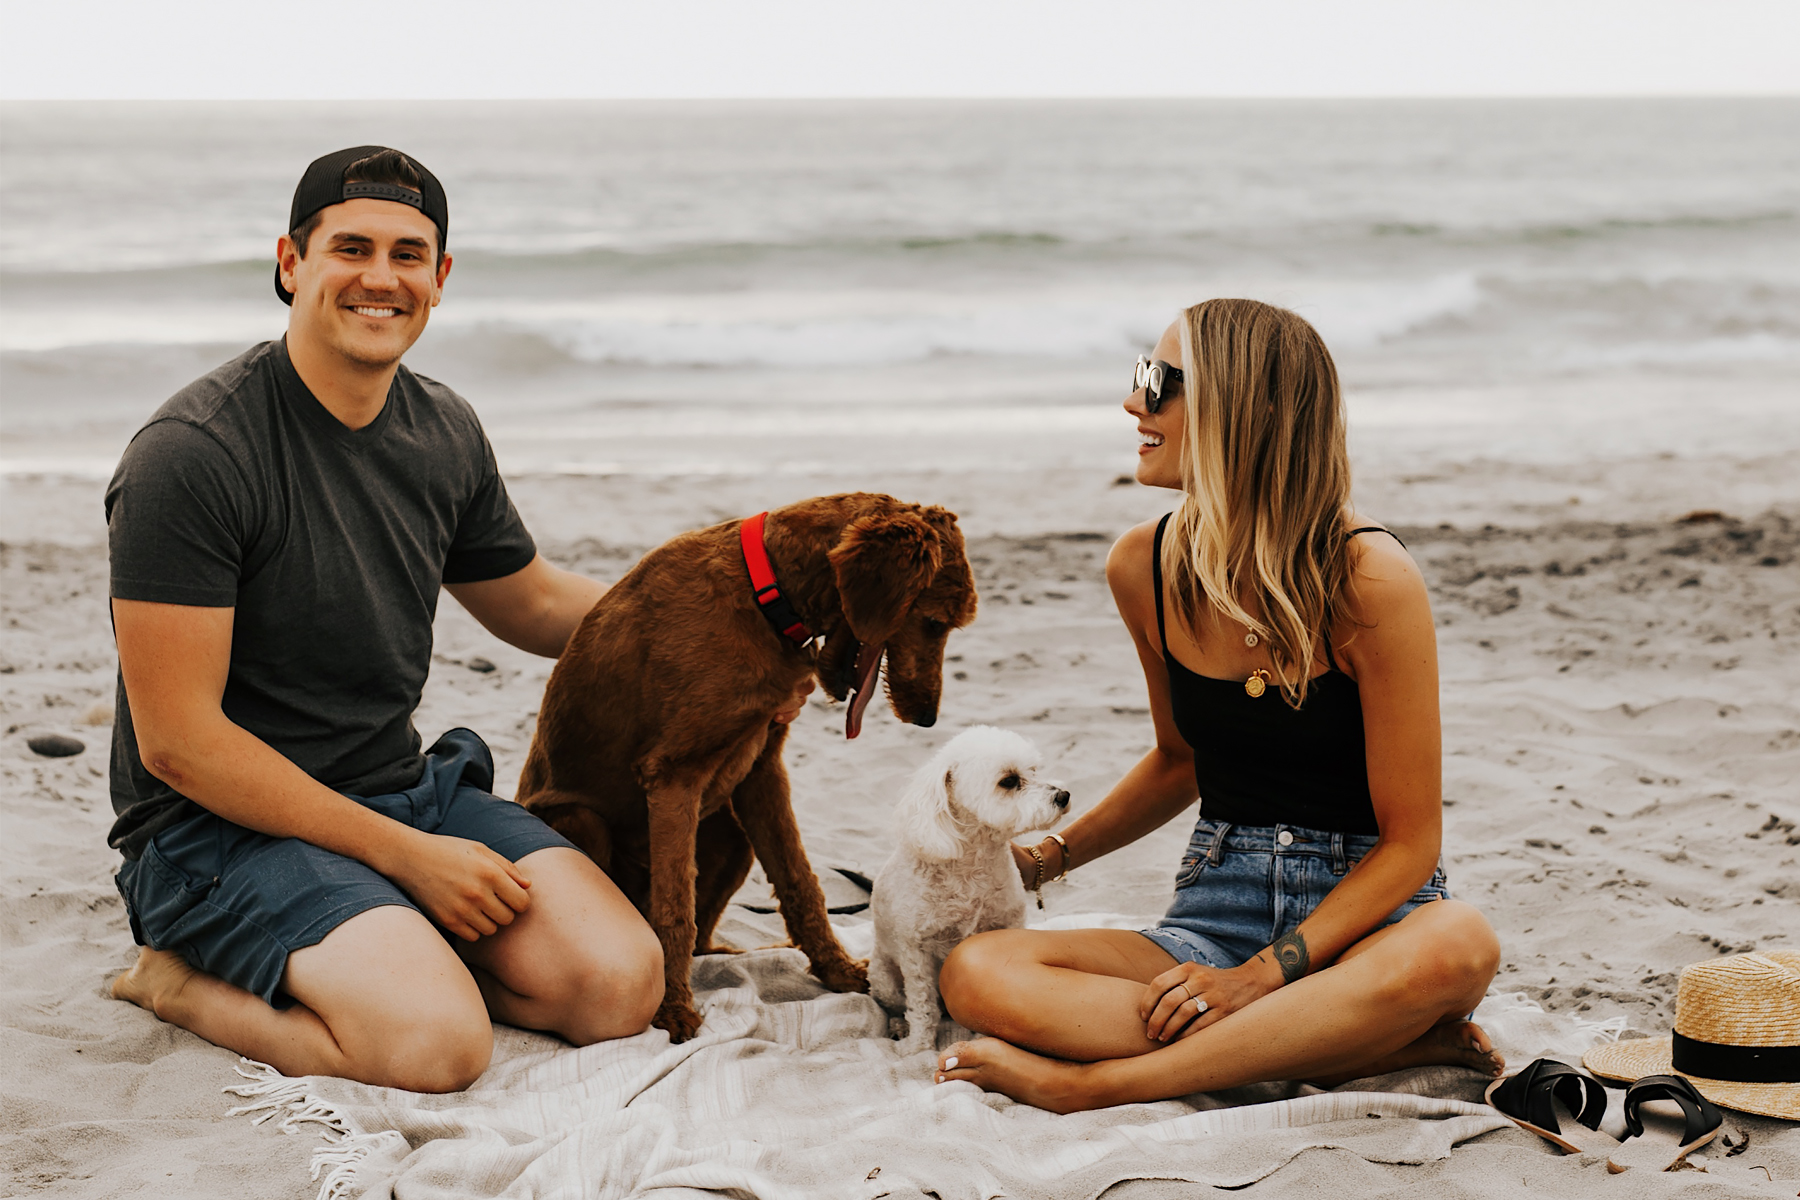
x=384, y=191
x=1740, y=1064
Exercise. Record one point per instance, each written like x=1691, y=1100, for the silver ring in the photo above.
x=1199, y=1006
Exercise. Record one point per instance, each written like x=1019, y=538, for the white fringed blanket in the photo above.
x=793, y=1093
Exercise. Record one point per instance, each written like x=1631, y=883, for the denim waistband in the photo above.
x=1214, y=838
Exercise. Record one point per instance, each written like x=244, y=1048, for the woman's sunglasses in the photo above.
x=1158, y=380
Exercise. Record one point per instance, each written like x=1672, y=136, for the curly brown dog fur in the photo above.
x=655, y=750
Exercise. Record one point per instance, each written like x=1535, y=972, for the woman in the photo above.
x=1292, y=669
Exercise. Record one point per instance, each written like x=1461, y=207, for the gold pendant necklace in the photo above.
x=1258, y=683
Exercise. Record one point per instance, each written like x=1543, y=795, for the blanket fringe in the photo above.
x=272, y=1094
x=341, y=1160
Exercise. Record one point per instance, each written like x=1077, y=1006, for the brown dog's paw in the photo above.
x=717, y=948
x=844, y=975
x=679, y=1020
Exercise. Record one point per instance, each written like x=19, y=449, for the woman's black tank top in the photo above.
x=1260, y=761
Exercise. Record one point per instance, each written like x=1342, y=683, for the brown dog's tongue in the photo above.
x=868, y=667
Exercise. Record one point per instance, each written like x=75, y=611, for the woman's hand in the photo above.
x=1189, y=997
x=1027, y=865
x=1052, y=851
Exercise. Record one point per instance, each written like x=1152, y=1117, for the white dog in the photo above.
x=952, y=873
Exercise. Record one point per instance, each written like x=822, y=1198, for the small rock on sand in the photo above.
x=481, y=665
x=54, y=745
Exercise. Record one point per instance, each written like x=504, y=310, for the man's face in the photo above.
x=368, y=282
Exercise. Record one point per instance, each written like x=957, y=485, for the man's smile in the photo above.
x=377, y=312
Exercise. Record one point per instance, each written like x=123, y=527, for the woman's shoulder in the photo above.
x=1128, y=562
x=1383, y=575
x=1129, y=570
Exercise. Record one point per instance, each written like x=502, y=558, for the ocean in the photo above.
x=681, y=289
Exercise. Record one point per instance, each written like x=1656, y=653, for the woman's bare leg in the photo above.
x=1068, y=993
x=1454, y=1040
x=1361, y=1012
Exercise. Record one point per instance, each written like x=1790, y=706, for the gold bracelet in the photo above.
x=1064, y=873
x=1037, y=884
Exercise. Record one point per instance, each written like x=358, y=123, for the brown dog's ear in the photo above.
x=882, y=563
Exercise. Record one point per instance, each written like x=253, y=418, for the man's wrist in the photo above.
x=390, y=846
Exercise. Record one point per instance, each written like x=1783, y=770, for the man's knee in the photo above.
x=402, y=1008
x=445, y=1054
x=617, y=994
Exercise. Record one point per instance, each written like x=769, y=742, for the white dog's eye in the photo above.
x=1011, y=782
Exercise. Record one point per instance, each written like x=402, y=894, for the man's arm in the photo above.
x=175, y=659
x=535, y=608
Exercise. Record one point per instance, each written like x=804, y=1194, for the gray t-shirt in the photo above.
x=243, y=491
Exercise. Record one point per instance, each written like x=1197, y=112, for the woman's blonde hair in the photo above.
x=1265, y=476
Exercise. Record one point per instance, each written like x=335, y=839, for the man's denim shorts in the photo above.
x=235, y=903
x=1242, y=886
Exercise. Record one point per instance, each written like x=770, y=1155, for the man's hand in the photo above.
x=462, y=885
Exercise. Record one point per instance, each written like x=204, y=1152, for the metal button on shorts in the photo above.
x=1285, y=838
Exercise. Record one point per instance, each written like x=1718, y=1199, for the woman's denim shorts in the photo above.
x=235, y=903
x=1240, y=887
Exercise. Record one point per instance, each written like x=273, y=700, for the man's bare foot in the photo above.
x=996, y=1066
x=1450, y=1043
x=155, y=981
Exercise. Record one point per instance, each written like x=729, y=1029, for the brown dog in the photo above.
x=656, y=751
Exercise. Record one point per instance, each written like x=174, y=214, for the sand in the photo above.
x=1622, y=748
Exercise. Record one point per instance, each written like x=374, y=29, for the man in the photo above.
x=279, y=532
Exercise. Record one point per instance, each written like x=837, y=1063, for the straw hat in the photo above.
x=1737, y=1035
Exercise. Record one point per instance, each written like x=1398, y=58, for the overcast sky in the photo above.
x=105, y=49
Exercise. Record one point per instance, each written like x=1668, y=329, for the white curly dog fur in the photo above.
x=952, y=874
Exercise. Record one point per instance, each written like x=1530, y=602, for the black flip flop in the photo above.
x=1658, y=1141
x=1558, y=1103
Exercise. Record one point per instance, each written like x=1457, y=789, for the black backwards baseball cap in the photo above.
x=323, y=186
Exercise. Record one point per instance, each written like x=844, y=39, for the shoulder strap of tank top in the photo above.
x=1375, y=529
x=1156, y=575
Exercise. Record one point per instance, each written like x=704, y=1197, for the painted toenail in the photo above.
x=950, y=1063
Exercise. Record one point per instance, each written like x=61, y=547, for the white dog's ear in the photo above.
x=924, y=816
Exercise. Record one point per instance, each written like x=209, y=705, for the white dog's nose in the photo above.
x=1061, y=798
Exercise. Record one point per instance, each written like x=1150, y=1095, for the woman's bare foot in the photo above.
x=1449, y=1043
x=155, y=981
x=996, y=1066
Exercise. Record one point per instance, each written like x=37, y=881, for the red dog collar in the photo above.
x=775, y=606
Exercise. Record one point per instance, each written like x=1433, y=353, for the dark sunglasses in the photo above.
x=1158, y=380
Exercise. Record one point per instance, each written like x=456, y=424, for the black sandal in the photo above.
x=1558, y=1103
x=1659, y=1141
